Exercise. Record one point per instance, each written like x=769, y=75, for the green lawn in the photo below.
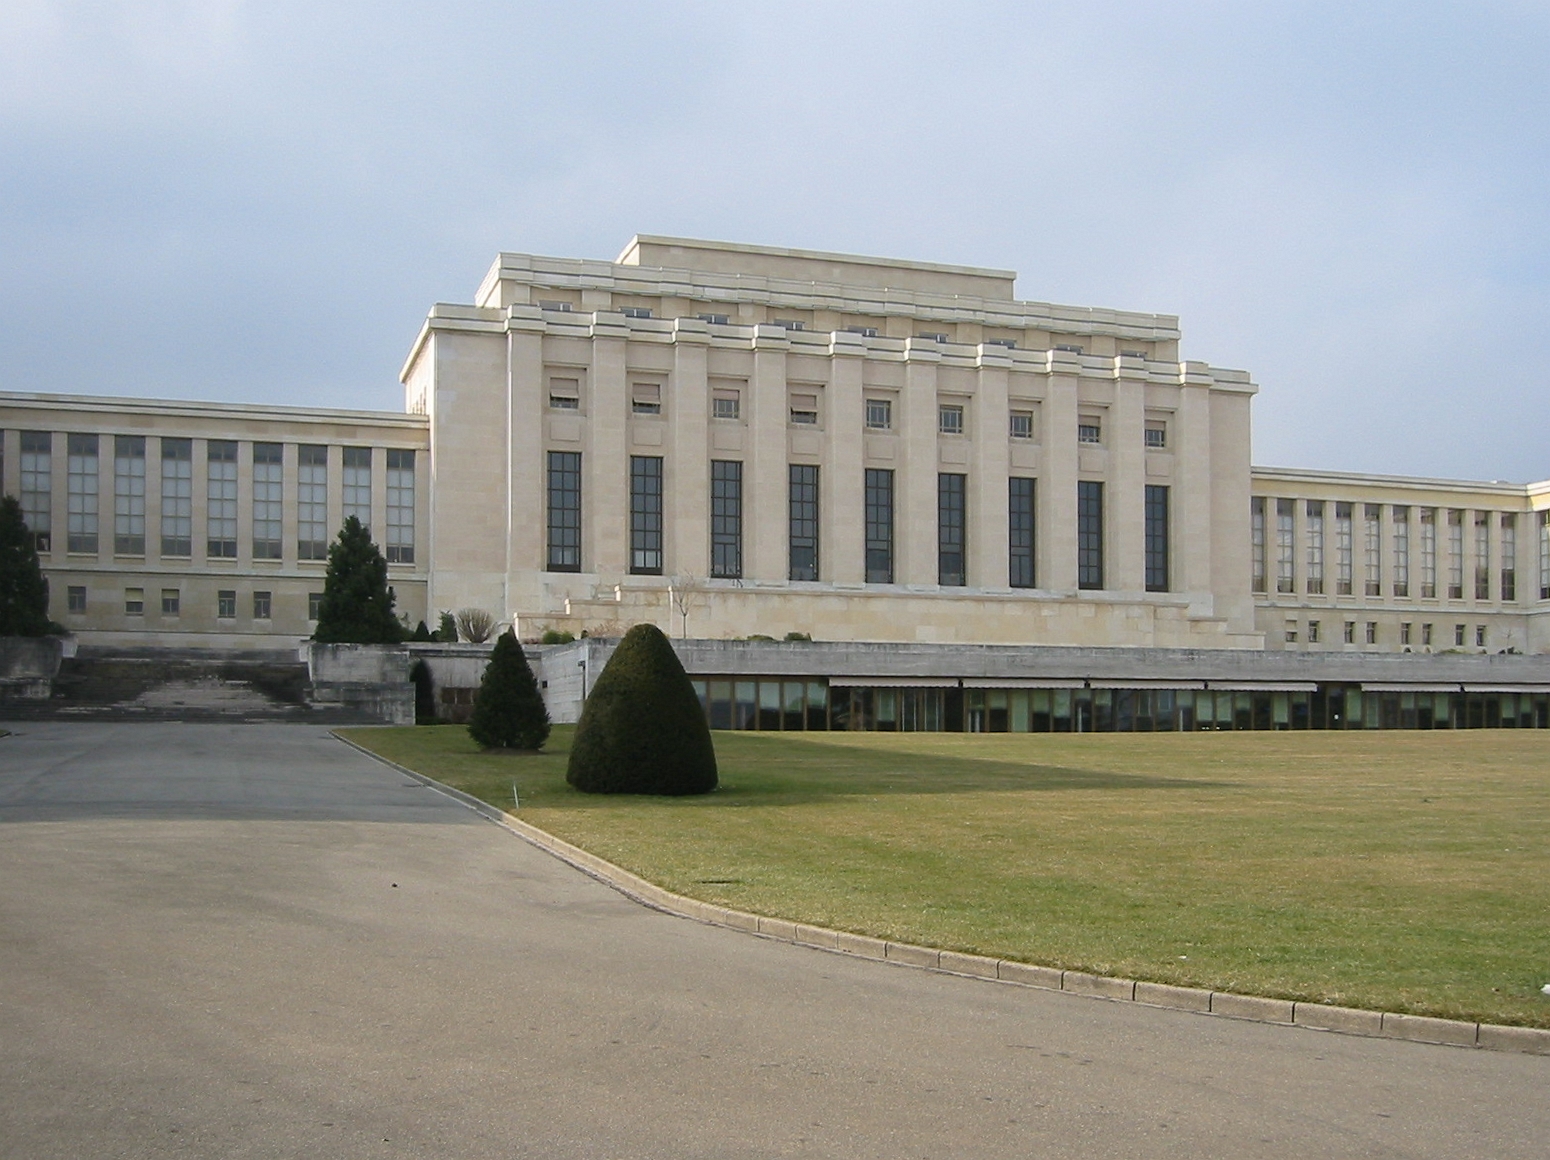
x=1397, y=870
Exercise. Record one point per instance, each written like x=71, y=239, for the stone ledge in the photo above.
x=1529, y=1040
x=1424, y=1029
x=1251, y=1007
x=978, y=966
x=1175, y=998
x=913, y=956
x=1102, y=986
x=1029, y=975
x=1349, y=1020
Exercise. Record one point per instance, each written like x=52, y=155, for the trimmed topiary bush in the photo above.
x=509, y=710
x=642, y=729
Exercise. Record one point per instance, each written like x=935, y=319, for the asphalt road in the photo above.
x=251, y=941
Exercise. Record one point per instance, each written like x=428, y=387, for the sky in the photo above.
x=259, y=202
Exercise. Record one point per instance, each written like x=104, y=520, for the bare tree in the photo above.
x=685, y=593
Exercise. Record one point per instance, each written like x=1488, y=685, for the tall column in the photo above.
x=1056, y=496
x=988, y=471
x=764, y=461
x=915, y=487
x=605, y=488
x=842, y=532
x=527, y=408
x=687, y=481
x=1125, y=501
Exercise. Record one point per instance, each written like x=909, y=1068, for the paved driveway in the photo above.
x=249, y=940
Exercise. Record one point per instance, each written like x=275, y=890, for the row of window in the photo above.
x=172, y=603
x=1421, y=538
x=1409, y=635
x=175, y=531
x=878, y=495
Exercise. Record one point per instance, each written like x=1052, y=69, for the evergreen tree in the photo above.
x=357, y=606
x=23, y=590
x=446, y=629
x=509, y=710
x=642, y=729
x=421, y=633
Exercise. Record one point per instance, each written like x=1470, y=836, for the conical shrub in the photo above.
x=509, y=711
x=642, y=729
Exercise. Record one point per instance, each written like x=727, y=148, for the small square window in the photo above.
x=1350, y=632
x=646, y=399
x=1089, y=431
x=134, y=603
x=75, y=599
x=1479, y=636
x=1156, y=435
x=170, y=601
x=725, y=405
x=1291, y=632
x=1022, y=425
x=804, y=410
x=1313, y=632
x=261, y=605
x=1372, y=632
x=879, y=414
x=565, y=394
x=226, y=604
x=949, y=419
x=314, y=605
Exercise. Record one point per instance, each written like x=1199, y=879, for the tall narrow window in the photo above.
x=1313, y=514
x=1455, y=555
x=803, y=498
x=1344, y=548
x=312, y=533
x=950, y=523
x=1544, y=555
x=879, y=525
x=129, y=495
x=1286, y=545
x=357, y=485
x=268, y=494
x=1020, y=533
x=221, y=502
x=1156, y=538
x=1401, y=536
x=646, y=515
x=400, y=506
x=1482, y=556
x=1260, y=560
x=726, y=519
x=1509, y=556
x=1089, y=534
x=1372, y=547
x=177, y=497
x=564, y=511
x=37, y=487
x=81, y=484
x=1428, y=553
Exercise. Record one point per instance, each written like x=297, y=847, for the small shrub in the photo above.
x=421, y=633
x=474, y=625
x=509, y=710
x=424, y=691
x=796, y=636
x=758, y=636
x=446, y=629
x=556, y=636
x=642, y=729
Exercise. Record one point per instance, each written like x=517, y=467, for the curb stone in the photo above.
x=1221, y=1004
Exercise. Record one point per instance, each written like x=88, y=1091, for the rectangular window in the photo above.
x=75, y=597
x=879, y=414
x=268, y=494
x=1156, y=435
x=1544, y=555
x=1372, y=632
x=1372, y=543
x=1089, y=430
x=1426, y=635
x=177, y=497
x=803, y=500
x=221, y=504
x=1401, y=536
x=1286, y=545
x=1404, y=632
x=726, y=404
x=1089, y=534
x=400, y=506
x=262, y=602
x=129, y=495
x=1350, y=632
x=1509, y=556
x=1020, y=532
x=1260, y=560
x=357, y=485
x=1156, y=538
x=37, y=487
x=1313, y=632
x=1290, y=633
x=134, y=603
x=171, y=600
x=950, y=528
x=726, y=519
x=1482, y=556
x=804, y=409
x=564, y=511
x=314, y=605
x=879, y=525
x=1458, y=635
x=646, y=515
x=646, y=399
x=1428, y=553
x=81, y=487
x=1344, y=549
x=1479, y=636
x=1455, y=555
x=949, y=419
x=565, y=394
x=311, y=502
x=1313, y=514
x=226, y=604
x=1021, y=425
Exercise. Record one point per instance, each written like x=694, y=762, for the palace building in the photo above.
x=741, y=442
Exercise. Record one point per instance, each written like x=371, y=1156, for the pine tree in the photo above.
x=357, y=606
x=23, y=590
x=642, y=729
x=509, y=710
